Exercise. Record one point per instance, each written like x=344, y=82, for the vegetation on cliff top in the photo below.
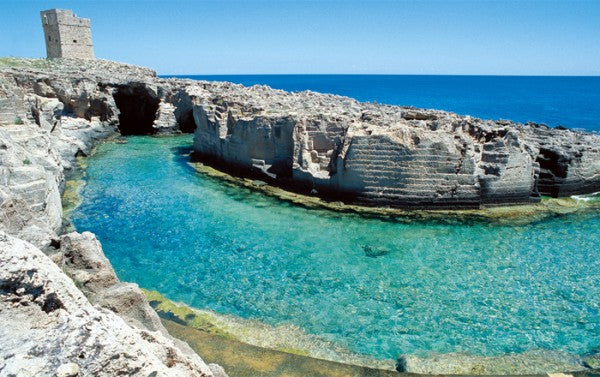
x=14, y=62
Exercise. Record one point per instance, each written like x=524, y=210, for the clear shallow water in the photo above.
x=573, y=102
x=477, y=288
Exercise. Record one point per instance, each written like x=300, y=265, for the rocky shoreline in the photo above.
x=510, y=215
x=380, y=155
x=68, y=312
x=72, y=315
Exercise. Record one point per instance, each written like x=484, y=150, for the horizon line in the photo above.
x=331, y=74
x=372, y=74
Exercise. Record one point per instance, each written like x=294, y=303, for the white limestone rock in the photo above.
x=67, y=370
x=49, y=324
x=388, y=155
x=81, y=257
x=165, y=121
x=51, y=112
x=46, y=111
x=363, y=152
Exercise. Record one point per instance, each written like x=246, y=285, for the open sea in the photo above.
x=572, y=102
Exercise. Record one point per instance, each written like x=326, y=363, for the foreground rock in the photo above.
x=81, y=257
x=49, y=327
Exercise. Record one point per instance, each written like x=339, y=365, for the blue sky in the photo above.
x=391, y=37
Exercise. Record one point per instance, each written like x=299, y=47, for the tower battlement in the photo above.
x=66, y=35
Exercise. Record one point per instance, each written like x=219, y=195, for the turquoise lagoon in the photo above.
x=481, y=288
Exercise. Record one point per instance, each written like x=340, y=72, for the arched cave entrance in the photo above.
x=138, y=105
x=186, y=122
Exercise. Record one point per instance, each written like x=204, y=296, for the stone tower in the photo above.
x=66, y=35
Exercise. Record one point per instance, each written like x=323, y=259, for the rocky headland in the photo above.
x=67, y=310
x=388, y=155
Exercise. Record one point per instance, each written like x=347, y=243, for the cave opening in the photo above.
x=137, y=105
x=186, y=122
x=553, y=171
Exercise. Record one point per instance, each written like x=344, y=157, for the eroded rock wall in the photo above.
x=50, y=113
x=389, y=155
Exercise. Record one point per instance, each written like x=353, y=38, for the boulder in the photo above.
x=51, y=328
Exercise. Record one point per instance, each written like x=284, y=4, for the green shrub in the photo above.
x=18, y=120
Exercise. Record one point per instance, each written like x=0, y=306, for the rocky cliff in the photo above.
x=64, y=311
x=68, y=311
x=390, y=155
x=309, y=142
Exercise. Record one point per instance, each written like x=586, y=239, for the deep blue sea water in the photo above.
x=573, y=102
x=479, y=288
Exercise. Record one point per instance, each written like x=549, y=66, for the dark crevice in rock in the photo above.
x=553, y=171
x=68, y=108
x=24, y=292
x=19, y=289
x=52, y=303
x=137, y=106
x=100, y=108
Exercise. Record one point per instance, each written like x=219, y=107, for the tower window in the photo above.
x=50, y=38
x=74, y=40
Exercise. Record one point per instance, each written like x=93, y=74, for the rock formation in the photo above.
x=50, y=327
x=75, y=316
x=340, y=148
x=390, y=155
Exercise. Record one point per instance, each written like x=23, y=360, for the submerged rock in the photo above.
x=592, y=360
x=375, y=251
x=531, y=362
